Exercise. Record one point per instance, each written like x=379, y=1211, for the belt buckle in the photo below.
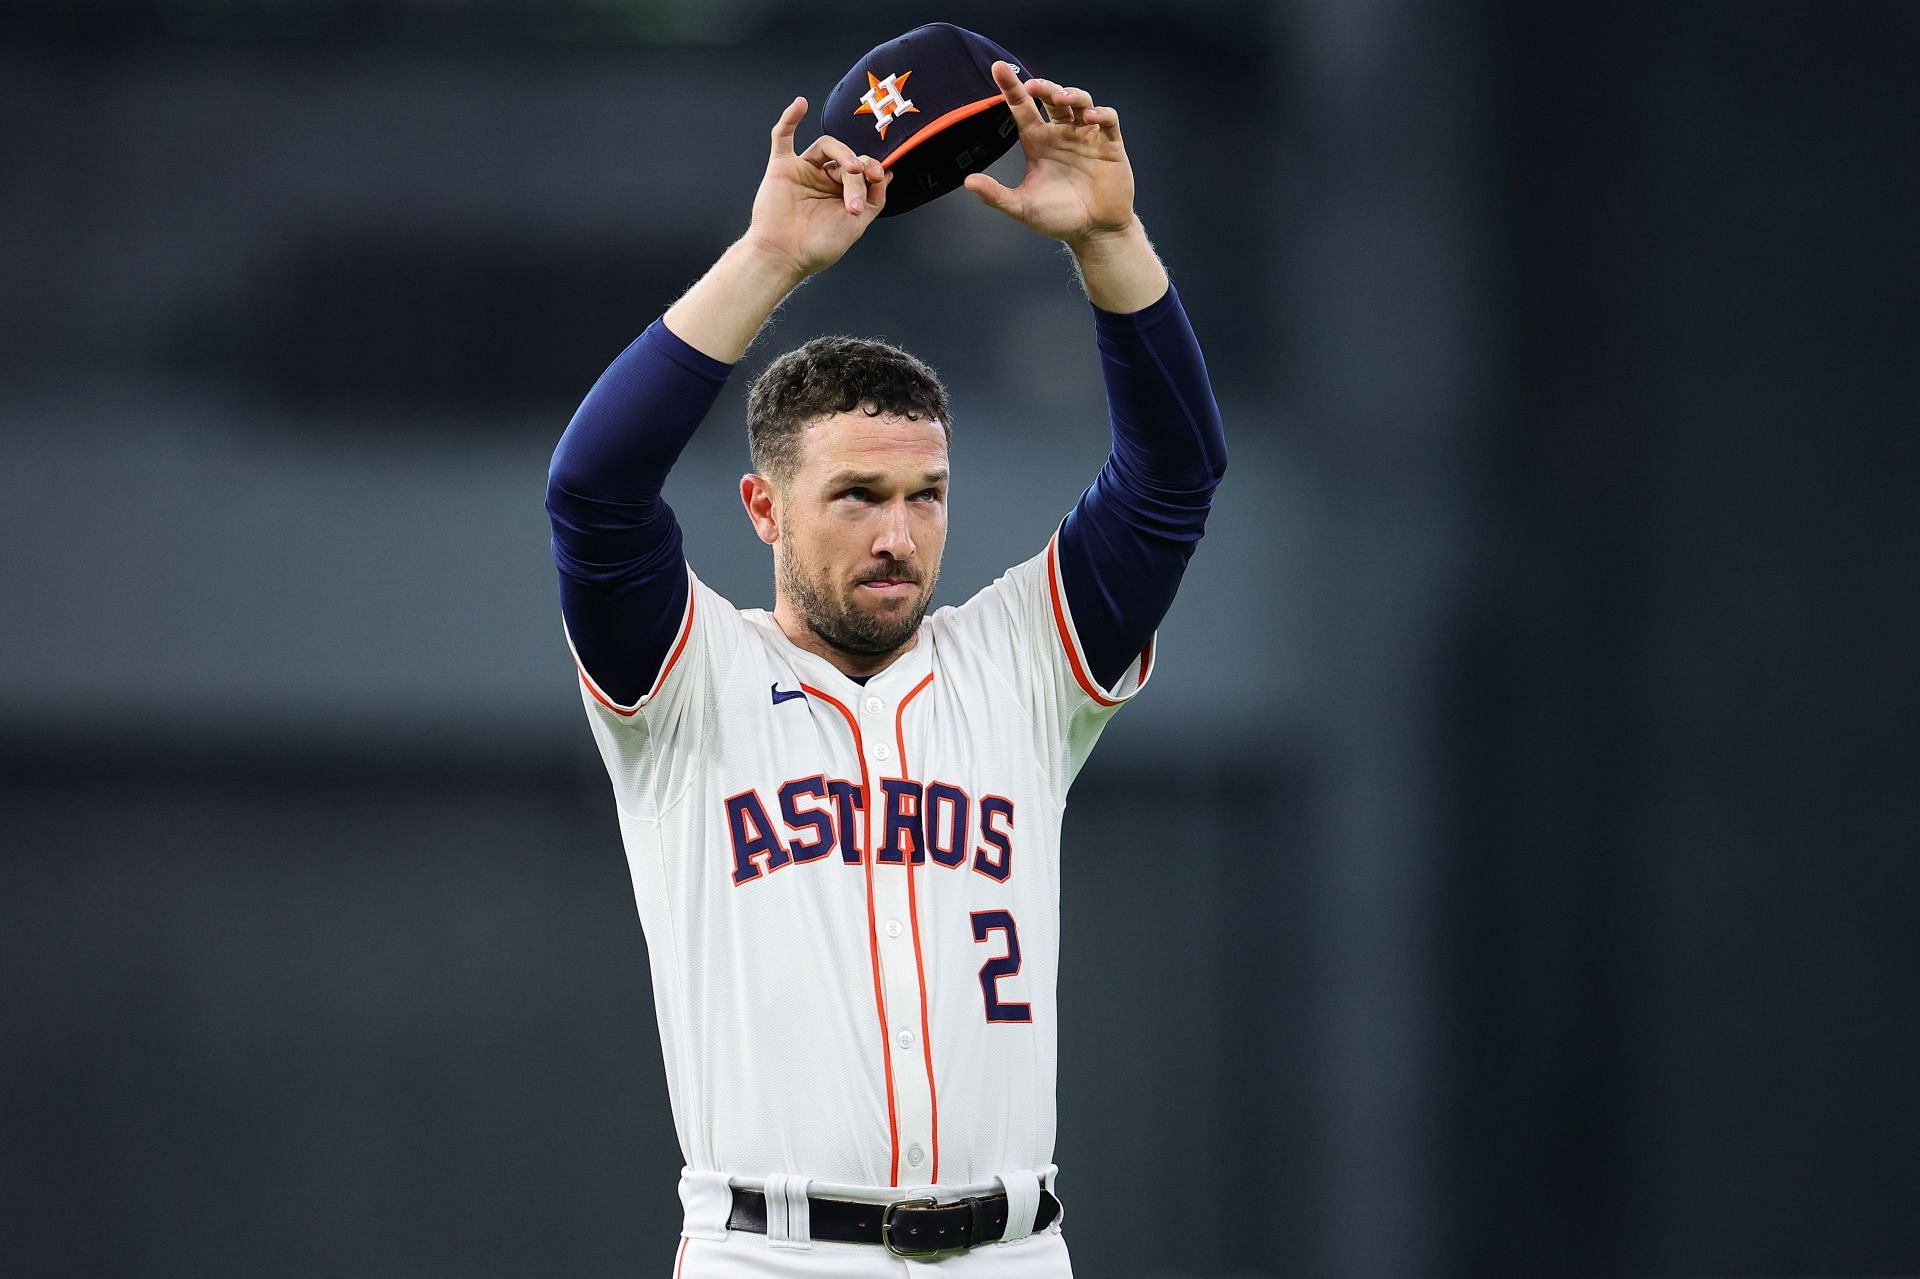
x=886, y=1225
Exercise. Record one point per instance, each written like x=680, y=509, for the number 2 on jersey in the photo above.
x=985, y=923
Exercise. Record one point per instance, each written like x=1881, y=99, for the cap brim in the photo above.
x=939, y=124
x=962, y=141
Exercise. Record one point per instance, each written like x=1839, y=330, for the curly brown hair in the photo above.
x=832, y=375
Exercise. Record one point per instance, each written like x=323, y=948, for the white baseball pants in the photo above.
x=748, y=1256
x=708, y=1250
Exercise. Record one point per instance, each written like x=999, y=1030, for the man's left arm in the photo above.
x=1125, y=546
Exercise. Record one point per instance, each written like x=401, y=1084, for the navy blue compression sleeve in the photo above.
x=623, y=581
x=1126, y=544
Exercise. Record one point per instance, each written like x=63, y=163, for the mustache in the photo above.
x=891, y=573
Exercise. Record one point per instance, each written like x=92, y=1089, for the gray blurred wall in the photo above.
x=1511, y=870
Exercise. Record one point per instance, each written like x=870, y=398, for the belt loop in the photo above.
x=789, y=1224
x=707, y=1200
x=1023, y=1202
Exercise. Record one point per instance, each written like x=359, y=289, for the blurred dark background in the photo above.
x=1526, y=809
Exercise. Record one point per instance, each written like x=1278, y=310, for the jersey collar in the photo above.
x=890, y=683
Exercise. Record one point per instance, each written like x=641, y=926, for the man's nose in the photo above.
x=895, y=537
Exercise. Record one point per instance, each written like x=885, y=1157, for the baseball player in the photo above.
x=842, y=815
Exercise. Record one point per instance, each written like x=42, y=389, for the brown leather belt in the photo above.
x=908, y=1227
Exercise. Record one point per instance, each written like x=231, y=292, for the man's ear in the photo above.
x=762, y=500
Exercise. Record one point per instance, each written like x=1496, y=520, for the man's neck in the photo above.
x=855, y=666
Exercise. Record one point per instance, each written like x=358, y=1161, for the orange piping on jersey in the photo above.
x=873, y=932
x=913, y=912
x=1068, y=641
x=938, y=123
x=686, y=632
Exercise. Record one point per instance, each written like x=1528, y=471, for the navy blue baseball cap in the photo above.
x=925, y=106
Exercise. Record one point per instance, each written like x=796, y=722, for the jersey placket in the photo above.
x=879, y=741
x=897, y=923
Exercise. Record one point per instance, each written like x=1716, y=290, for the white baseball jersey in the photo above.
x=851, y=892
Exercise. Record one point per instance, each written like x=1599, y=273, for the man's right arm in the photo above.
x=623, y=580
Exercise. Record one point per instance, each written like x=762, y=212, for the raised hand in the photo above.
x=811, y=207
x=1078, y=184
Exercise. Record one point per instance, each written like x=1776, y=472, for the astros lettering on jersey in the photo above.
x=851, y=891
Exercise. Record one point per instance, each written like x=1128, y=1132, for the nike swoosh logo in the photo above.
x=784, y=695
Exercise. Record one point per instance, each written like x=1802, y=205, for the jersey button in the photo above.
x=905, y=1040
x=882, y=752
x=874, y=705
x=916, y=1156
x=895, y=928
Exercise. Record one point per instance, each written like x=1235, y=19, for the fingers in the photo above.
x=1054, y=100
x=1077, y=102
x=784, y=127
x=992, y=194
x=873, y=177
x=877, y=190
x=862, y=182
x=859, y=176
x=1025, y=110
x=1062, y=105
x=1040, y=101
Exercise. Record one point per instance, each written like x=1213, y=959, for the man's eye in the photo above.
x=858, y=495
x=931, y=495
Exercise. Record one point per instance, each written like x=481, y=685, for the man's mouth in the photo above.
x=890, y=586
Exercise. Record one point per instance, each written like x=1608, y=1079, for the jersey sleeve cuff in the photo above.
x=630, y=709
x=690, y=358
x=1136, y=675
x=1145, y=318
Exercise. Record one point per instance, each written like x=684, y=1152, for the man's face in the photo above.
x=863, y=523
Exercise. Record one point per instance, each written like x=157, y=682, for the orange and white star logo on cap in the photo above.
x=885, y=100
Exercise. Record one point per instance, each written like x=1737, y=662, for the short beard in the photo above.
x=844, y=625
